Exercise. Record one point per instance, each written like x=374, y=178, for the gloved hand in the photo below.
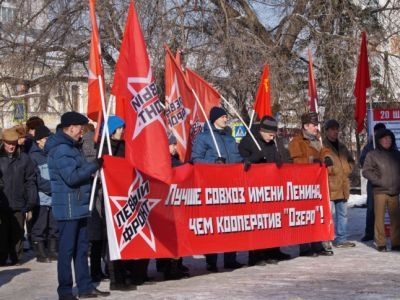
x=220, y=160
x=190, y=162
x=246, y=165
x=278, y=161
x=328, y=161
x=317, y=161
x=99, y=162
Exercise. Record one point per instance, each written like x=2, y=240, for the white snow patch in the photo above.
x=357, y=200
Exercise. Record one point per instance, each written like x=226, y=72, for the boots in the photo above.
x=172, y=270
x=40, y=252
x=52, y=245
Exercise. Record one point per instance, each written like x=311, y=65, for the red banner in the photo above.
x=214, y=208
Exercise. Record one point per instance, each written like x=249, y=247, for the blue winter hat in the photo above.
x=114, y=122
x=216, y=113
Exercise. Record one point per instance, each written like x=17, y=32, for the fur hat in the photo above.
x=34, y=122
x=309, y=118
x=9, y=135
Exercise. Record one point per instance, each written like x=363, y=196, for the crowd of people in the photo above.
x=46, y=179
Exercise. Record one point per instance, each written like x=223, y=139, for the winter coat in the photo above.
x=18, y=190
x=70, y=176
x=301, y=150
x=39, y=158
x=343, y=164
x=204, y=150
x=271, y=152
x=382, y=169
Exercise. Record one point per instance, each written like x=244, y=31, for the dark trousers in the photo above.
x=73, y=246
x=11, y=235
x=44, y=226
x=370, y=216
x=229, y=257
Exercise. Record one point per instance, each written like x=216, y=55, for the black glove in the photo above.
x=317, y=161
x=190, y=162
x=99, y=162
x=220, y=160
x=246, y=165
x=328, y=161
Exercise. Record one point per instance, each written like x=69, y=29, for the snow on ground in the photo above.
x=355, y=273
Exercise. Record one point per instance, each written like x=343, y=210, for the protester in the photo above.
x=370, y=217
x=31, y=124
x=306, y=147
x=205, y=151
x=339, y=183
x=172, y=268
x=18, y=196
x=70, y=176
x=382, y=169
x=44, y=227
x=271, y=152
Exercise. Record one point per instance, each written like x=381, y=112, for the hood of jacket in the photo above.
x=57, y=139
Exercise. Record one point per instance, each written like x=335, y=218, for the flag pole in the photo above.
x=106, y=114
x=241, y=120
x=371, y=114
x=252, y=118
x=207, y=121
x=105, y=130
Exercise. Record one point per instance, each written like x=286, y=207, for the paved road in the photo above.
x=357, y=273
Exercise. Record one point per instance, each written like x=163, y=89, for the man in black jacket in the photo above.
x=18, y=195
x=270, y=152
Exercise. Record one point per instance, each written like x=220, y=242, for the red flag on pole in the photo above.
x=181, y=109
x=134, y=85
x=362, y=83
x=312, y=87
x=208, y=96
x=262, y=104
x=94, y=105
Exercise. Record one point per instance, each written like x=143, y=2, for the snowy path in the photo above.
x=357, y=273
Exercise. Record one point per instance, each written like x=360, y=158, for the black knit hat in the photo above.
x=311, y=117
x=41, y=132
x=216, y=113
x=73, y=118
x=268, y=124
x=332, y=123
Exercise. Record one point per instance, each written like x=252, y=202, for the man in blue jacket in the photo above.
x=70, y=176
x=205, y=151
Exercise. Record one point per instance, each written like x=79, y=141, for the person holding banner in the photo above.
x=271, y=152
x=205, y=151
x=306, y=147
x=339, y=183
x=70, y=177
x=382, y=169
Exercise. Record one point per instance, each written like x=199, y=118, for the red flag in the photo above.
x=208, y=96
x=94, y=105
x=312, y=87
x=262, y=104
x=181, y=109
x=362, y=83
x=134, y=85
